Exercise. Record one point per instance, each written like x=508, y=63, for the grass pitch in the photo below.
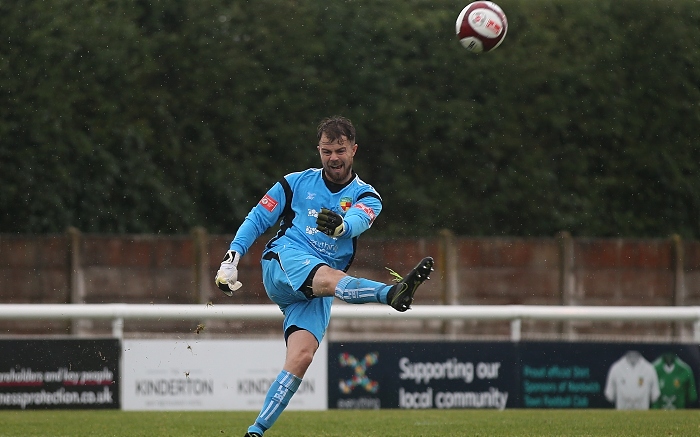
x=354, y=423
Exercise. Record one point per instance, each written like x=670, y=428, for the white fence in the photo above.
x=514, y=313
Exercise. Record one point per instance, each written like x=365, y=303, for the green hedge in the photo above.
x=138, y=116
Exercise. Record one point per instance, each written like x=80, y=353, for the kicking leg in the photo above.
x=329, y=282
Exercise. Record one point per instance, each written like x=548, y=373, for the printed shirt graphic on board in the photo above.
x=296, y=200
x=676, y=383
x=632, y=383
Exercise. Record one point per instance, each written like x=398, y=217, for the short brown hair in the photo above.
x=336, y=127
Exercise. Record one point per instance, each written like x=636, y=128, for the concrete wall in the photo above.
x=93, y=268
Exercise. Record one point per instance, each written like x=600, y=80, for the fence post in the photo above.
x=201, y=273
x=201, y=265
x=118, y=328
x=515, y=330
x=450, y=284
x=679, y=290
x=78, y=327
x=566, y=278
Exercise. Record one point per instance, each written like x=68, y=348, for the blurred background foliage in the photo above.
x=134, y=116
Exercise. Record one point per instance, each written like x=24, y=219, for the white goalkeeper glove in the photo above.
x=330, y=223
x=227, y=276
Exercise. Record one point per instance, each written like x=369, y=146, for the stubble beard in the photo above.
x=335, y=177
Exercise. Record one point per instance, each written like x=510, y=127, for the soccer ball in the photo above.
x=481, y=26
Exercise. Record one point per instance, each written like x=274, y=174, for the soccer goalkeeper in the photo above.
x=322, y=212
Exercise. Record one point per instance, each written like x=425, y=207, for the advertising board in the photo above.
x=500, y=375
x=213, y=375
x=624, y=376
x=59, y=374
x=441, y=375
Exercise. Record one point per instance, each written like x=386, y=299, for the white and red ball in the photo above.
x=481, y=26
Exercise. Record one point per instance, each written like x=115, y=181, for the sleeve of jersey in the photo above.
x=610, y=385
x=263, y=216
x=692, y=390
x=361, y=215
x=655, y=389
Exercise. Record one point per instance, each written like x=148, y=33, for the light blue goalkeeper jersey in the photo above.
x=296, y=200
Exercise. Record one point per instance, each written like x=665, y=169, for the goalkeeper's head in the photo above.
x=336, y=128
x=337, y=147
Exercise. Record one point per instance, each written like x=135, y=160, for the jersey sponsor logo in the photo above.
x=268, y=203
x=369, y=211
x=345, y=203
x=311, y=231
x=324, y=248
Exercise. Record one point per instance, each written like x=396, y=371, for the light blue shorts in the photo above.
x=285, y=270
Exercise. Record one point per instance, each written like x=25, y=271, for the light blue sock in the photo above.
x=281, y=391
x=360, y=290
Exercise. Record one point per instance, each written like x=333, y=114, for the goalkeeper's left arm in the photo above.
x=357, y=220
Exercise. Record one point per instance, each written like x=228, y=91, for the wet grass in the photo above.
x=354, y=423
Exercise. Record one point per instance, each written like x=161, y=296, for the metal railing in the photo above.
x=119, y=312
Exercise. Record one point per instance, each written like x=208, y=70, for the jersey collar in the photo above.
x=332, y=186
